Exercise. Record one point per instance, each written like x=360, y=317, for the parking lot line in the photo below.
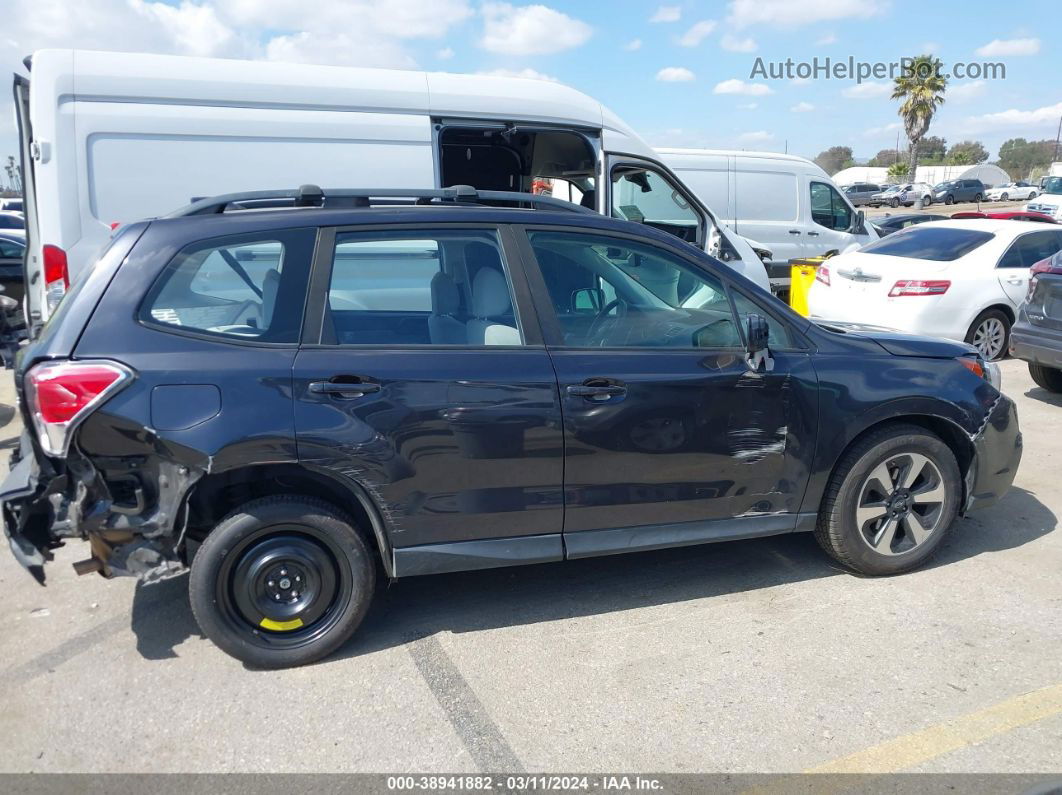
x=912, y=749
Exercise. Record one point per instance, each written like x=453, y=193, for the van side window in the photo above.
x=436, y=287
x=828, y=209
x=648, y=197
x=244, y=288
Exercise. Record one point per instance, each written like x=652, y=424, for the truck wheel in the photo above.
x=949, y=199
x=977, y=198
x=990, y=334
x=894, y=203
x=282, y=581
x=1049, y=378
x=890, y=501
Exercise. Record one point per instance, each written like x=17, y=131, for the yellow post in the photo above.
x=801, y=277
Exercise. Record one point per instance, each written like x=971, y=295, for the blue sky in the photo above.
x=679, y=72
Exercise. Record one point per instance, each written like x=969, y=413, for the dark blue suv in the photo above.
x=291, y=392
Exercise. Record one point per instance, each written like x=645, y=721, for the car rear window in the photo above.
x=931, y=242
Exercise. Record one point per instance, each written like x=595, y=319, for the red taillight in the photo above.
x=61, y=394
x=823, y=275
x=918, y=287
x=56, y=275
x=115, y=225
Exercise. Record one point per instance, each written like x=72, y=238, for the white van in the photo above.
x=785, y=203
x=109, y=138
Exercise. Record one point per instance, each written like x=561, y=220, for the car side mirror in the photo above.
x=588, y=298
x=859, y=224
x=757, y=338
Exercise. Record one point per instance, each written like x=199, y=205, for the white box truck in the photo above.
x=109, y=138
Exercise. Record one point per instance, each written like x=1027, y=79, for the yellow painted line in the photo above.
x=281, y=626
x=913, y=749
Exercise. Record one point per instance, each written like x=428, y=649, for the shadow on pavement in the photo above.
x=470, y=601
x=1044, y=396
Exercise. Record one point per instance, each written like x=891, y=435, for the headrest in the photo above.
x=490, y=294
x=445, y=299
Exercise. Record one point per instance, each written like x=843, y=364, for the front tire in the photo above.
x=1049, y=378
x=949, y=199
x=1004, y=197
x=890, y=501
x=977, y=198
x=894, y=203
x=990, y=334
x=282, y=581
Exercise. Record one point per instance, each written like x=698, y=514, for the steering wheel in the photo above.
x=595, y=326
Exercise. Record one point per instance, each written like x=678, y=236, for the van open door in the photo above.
x=648, y=193
x=32, y=262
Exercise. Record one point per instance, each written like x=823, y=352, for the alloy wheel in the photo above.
x=901, y=504
x=990, y=337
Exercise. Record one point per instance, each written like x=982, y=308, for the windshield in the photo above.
x=930, y=242
x=1053, y=185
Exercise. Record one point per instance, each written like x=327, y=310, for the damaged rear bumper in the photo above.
x=43, y=506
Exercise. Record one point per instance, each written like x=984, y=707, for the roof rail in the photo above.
x=314, y=196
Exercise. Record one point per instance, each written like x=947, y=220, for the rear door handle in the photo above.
x=596, y=392
x=343, y=389
x=1016, y=280
x=794, y=231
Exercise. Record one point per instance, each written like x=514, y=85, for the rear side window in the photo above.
x=241, y=288
x=431, y=287
x=930, y=242
x=1030, y=248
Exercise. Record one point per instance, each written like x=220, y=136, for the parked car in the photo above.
x=11, y=220
x=1007, y=215
x=859, y=194
x=287, y=399
x=905, y=194
x=893, y=223
x=1012, y=190
x=1037, y=334
x=191, y=127
x=782, y=202
x=12, y=249
x=961, y=280
x=959, y=190
x=1049, y=202
x=11, y=205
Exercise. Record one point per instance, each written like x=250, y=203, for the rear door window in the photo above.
x=1030, y=248
x=241, y=288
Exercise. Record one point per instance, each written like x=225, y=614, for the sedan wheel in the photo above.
x=989, y=334
x=1004, y=197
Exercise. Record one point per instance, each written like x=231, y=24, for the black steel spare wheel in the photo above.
x=281, y=581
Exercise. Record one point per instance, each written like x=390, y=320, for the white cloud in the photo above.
x=802, y=107
x=963, y=92
x=824, y=41
x=734, y=44
x=1041, y=118
x=867, y=90
x=794, y=13
x=445, y=54
x=698, y=33
x=748, y=106
x=632, y=45
x=756, y=136
x=339, y=49
x=675, y=74
x=528, y=74
x=195, y=29
x=667, y=14
x=998, y=47
x=929, y=47
x=530, y=30
x=887, y=128
x=736, y=86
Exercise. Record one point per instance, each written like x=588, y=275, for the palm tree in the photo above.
x=921, y=87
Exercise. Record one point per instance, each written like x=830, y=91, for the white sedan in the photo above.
x=1012, y=190
x=959, y=279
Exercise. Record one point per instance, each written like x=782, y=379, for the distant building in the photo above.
x=986, y=172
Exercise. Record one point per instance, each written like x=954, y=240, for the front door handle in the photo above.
x=596, y=392
x=343, y=389
x=813, y=234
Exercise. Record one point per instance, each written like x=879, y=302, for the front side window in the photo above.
x=251, y=289
x=437, y=287
x=610, y=292
x=1030, y=248
x=647, y=197
x=828, y=208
